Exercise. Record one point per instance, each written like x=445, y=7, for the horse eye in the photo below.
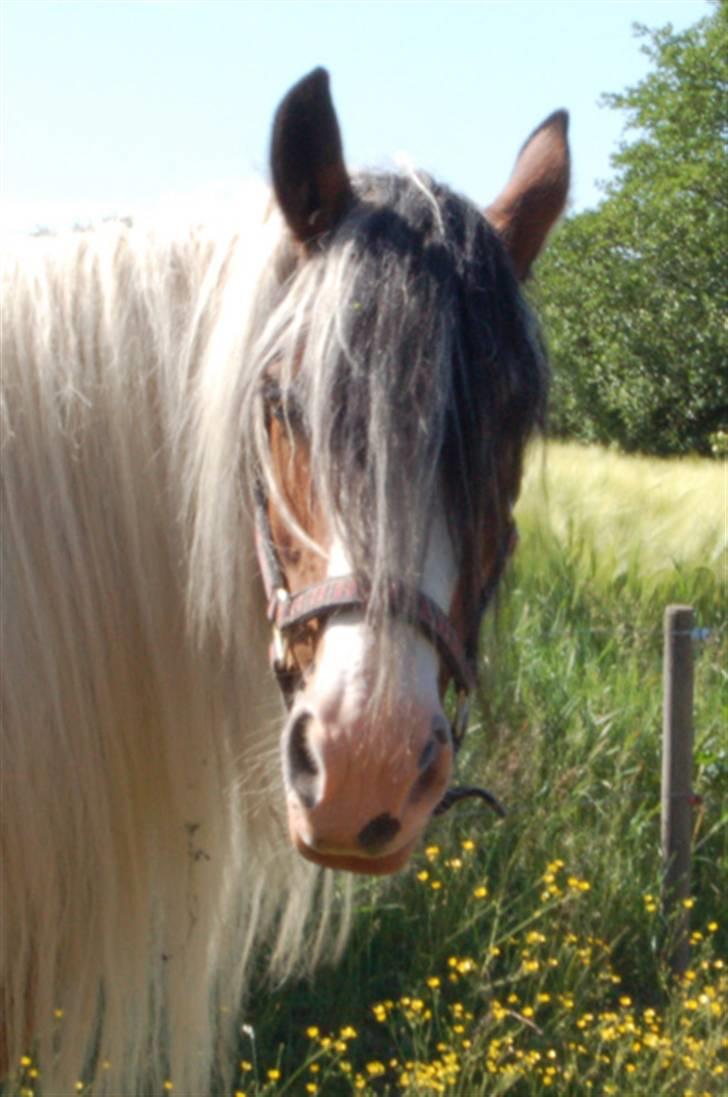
x=283, y=405
x=276, y=409
x=290, y=414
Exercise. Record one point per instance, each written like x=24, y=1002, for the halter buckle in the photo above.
x=279, y=642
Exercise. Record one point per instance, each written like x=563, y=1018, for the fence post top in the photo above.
x=679, y=615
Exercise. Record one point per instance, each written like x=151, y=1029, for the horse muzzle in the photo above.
x=361, y=790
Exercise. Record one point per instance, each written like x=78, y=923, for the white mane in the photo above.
x=143, y=846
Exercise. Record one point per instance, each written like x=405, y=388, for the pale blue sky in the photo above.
x=111, y=106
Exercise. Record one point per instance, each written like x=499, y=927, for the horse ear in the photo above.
x=535, y=195
x=310, y=180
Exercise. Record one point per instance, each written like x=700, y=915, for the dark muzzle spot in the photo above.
x=378, y=833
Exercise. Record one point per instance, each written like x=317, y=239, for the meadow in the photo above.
x=530, y=955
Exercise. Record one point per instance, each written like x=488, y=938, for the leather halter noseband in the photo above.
x=289, y=613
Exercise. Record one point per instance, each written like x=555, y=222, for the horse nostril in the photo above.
x=441, y=730
x=429, y=761
x=440, y=738
x=302, y=768
x=378, y=832
x=428, y=755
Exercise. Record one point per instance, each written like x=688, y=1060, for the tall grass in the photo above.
x=531, y=955
x=652, y=514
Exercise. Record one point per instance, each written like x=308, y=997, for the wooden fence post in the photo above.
x=677, y=778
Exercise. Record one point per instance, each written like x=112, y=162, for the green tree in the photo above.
x=632, y=292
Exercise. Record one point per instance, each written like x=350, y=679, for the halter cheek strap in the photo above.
x=289, y=614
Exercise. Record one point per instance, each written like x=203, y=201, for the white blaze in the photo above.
x=345, y=666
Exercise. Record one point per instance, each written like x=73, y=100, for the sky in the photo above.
x=111, y=107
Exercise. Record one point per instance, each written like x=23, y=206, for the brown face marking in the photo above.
x=291, y=461
x=302, y=566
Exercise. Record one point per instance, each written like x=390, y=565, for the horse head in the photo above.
x=400, y=375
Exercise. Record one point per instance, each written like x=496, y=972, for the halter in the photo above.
x=290, y=614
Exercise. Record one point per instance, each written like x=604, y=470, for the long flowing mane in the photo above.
x=140, y=782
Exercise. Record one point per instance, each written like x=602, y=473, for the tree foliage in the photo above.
x=632, y=291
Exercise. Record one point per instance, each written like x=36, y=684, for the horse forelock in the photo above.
x=412, y=365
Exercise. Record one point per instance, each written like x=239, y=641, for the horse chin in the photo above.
x=384, y=865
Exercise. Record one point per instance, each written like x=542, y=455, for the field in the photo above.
x=530, y=955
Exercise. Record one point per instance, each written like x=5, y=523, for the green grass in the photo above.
x=531, y=955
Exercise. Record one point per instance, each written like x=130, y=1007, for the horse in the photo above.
x=257, y=488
